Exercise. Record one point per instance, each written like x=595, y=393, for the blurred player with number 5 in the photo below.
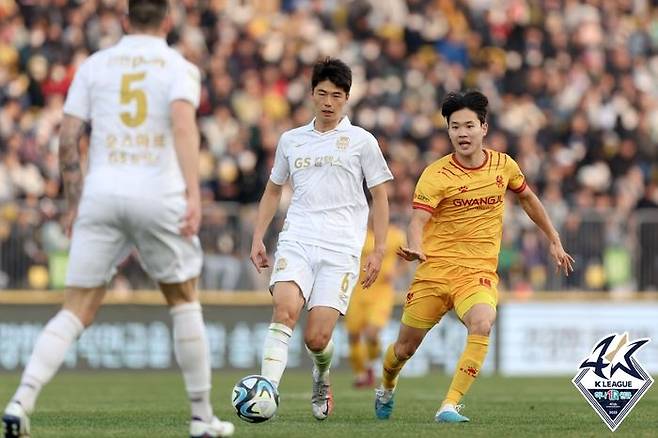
x=141, y=190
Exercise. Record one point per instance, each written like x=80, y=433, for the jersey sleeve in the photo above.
x=429, y=191
x=280, y=169
x=516, y=182
x=187, y=84
x=375, y=169
x=78, y=99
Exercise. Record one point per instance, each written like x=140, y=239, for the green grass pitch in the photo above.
x=152, y=404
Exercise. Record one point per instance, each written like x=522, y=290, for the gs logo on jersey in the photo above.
x=281, y=264
x=611, y=380
x=342, y=143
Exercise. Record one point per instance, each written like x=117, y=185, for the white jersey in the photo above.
x=125, y=92
x=328, y=206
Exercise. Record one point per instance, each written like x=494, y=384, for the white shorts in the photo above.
x=325, y=277
x=108, y=228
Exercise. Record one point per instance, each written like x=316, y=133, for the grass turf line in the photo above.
x=153, y=404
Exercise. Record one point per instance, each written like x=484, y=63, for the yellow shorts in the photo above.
x=439, y=287
x=369, y=307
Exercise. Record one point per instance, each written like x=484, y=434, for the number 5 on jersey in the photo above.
x=130, y=94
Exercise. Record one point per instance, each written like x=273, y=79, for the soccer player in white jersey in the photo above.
x=317, y=258
x=141, y=190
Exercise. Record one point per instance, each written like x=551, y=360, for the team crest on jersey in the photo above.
x=342, y=143
x=499, y=181
x=281, y=264
x=611, y=380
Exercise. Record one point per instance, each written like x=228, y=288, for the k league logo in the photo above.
x=611, y=379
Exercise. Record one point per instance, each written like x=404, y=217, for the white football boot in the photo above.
x=322, y=400
x=15, y=421
x=215, y=429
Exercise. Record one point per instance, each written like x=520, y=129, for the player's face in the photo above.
x=466, y=132
x=328, y=102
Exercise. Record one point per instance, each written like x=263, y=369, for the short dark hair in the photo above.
x=334, y=70
x=471, y=99
x=147, y=13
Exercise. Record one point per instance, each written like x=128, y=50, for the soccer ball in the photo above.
x=255, y=399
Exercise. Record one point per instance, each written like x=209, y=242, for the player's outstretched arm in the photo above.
x=69, y=166
x=380, y=219
x=186, y=142
x=535, y=211
x=267, y=206
x=414, y=249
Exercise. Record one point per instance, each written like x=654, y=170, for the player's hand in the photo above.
x=258, y=255
x=69, y=219
x=192, y=218
x=371, y=269
x=563, y=261
x=411, y=254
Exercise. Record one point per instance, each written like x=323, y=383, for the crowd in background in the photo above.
x=572, y=85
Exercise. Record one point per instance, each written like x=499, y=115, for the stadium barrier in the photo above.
x=613, y=251
x=545, y=334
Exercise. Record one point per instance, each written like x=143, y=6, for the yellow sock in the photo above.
x=468, y=367
x=358, y=357
x=374, y=350
x=392, y=367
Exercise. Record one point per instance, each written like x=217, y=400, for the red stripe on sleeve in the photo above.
x=422, y=207
x=520, y=189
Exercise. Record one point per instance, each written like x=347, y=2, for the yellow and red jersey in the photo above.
x=467, y=208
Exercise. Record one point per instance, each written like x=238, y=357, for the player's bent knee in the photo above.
x=480, y=327
x=317, y=341
x=404, y=350
x=285, y=316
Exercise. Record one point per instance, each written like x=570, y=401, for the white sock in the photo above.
x=322, y=359
x=193, y=357
x=47, y=356
x=275, y=352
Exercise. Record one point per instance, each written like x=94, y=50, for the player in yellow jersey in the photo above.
x=455, y=231
x=370, y=309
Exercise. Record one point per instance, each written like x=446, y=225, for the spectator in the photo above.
x=572, y=87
